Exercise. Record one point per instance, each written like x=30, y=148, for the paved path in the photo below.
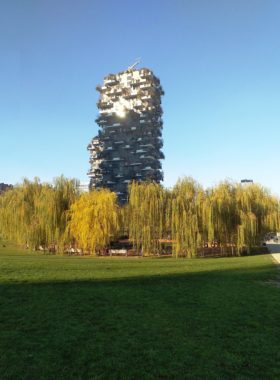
x=274, y=248
x=276, y=257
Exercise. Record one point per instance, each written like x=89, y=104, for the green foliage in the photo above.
x=241, y=215
x=236, y=216
x=185, y=202
x=146, y=216
x=36, y=214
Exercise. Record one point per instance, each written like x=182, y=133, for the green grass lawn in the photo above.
x=92, y=318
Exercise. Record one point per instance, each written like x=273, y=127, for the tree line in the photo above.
x=188, y=217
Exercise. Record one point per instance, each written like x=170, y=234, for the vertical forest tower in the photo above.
x=128, y=145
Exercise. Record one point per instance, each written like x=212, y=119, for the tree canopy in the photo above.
x=234, y=216
x=94, y=220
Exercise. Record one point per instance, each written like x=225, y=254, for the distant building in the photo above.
x=244, y=181
x=83, y=187
x=129, y=141
x=5, y=187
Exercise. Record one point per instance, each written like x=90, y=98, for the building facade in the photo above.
x=4, y=187
x=129, y=141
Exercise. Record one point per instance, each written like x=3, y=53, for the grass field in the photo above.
x=91, y=318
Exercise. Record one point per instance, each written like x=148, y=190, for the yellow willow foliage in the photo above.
x=65, y=194
x=167, y=214
x=237, y=216
x=271, y=221
x=204, y=214
x=146, y=216
x=35, y=213
x=123, y=220
x=258, y=213
x=11, y=226
x=94, y=220
x=19, y=214
x=186, y=201
x=208, y=219
x=222, y=204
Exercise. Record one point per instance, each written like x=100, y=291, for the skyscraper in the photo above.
x=128, y=144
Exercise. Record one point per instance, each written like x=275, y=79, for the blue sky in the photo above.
x=218, y=62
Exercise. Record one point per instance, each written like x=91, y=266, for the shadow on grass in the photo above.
x=208, y=324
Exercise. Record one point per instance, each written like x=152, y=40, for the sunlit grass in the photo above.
x=84, y=318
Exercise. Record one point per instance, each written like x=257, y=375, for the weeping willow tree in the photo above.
x=20, y=216
x=271, y=219
x=146, y=212
x=222, y=215
x=240, y=216
x=12, y=209
x=35, y=214
x=236, y=216
x=185, y=203
x=94, y=220
x=65, y=194
x=258, y=213
x=124, y=216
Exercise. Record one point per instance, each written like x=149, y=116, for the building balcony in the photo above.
x=104, y=105
x=112, y=82
x=131, y=96
x=140, y=151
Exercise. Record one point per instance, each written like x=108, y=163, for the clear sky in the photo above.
x=218, y=62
